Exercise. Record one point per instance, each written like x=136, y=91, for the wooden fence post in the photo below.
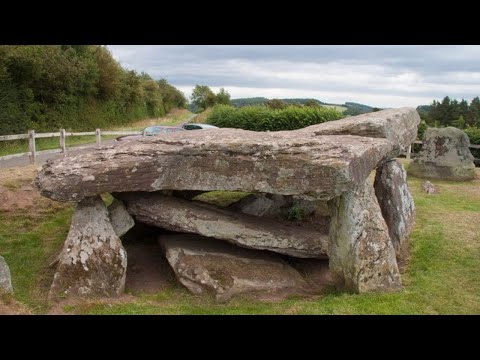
x=62, y=141
x=99, y=137
x=409, y=151
x=31, y=146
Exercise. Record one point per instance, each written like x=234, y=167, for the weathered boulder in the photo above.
x=206, y=265
x=5, y=277
x=445, y=155
x=397, y=205
x=120, y=218
x=244, y=230
x=428, y=187
x=399, y=126
x=93, y=261
x=318, y=162
x=362, y=257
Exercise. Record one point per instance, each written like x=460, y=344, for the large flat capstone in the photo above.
x=318, y=162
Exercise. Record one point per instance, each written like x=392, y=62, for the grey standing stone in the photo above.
x=362, y=257
x=5, y=277
x=93, y=261
x=445, y=155
x=120, y=218
x=397, y=205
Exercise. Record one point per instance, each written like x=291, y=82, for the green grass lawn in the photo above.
x=442, y=277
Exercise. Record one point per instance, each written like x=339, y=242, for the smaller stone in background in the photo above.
x=428, y=187
x=5, y=277
x=445, y=155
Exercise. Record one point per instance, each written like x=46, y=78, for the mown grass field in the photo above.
x=336, y=107
x=20, y=146
x=442, y=277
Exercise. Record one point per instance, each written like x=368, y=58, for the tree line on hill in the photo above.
x=76, y=87
x=352, y=108
x=447, y=112
x=460, y=114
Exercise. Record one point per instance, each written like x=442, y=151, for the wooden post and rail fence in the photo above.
x=62, y=134
x=409, y=150
x=31, y=136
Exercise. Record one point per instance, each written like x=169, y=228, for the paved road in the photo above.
x=43, y=156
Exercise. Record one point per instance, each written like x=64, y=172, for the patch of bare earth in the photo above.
x=9, y=306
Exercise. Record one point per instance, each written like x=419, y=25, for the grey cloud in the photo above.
x=414, y=71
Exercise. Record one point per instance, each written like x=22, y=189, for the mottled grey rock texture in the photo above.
x=207, y=265
x=120, y=218
x=5, y=277
x=362, y=256
x=445, y=155
x=276, y=206
x=318, y=162
x=428, y=187
x=398, y=126
x=93, y=261
x=244, y=230
x=397, y=205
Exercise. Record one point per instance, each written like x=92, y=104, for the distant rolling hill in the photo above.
x=349, y=108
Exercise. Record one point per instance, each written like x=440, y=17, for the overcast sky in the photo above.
x=382, y=76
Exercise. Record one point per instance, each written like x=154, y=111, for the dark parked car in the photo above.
x=151, y=131
x=198, y=127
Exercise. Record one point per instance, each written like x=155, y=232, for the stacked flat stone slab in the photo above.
x=327, y=162
x=244, y=230
x=205, y=265
x=445, y=155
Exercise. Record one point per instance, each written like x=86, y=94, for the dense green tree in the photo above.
x=78, y=87
x=202, y=96
x=473, y=118
x=312, y=103
x=276, y=104
x=459, y=123
x=222, y=97
x=172, y=97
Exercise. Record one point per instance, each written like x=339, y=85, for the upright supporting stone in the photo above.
x=362, y=257
x=398, y=208
x=93, y=261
